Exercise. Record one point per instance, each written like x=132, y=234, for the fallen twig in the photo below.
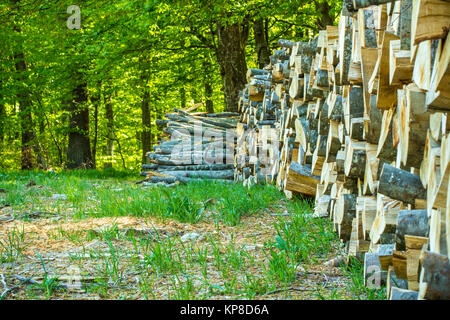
x=7, y=290
x=6, y=220
x=290, y=289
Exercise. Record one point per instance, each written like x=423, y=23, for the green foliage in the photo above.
x=48, y=285
x=303, y=237
x=12, y=245
x=124, y=50
x=355, y=271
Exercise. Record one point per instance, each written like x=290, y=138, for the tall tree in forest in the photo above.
x=146, y=136
x=183, y=97
x=209, y=104
x=25, y=113
x=325, y=13
x=110, y=134
x=23, y=97
x=260, y=31
x=95, y=101
x=79, y=149
x=2, y=114
x=231, y=56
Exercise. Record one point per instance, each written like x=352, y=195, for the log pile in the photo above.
x=196, y=146
x=359, y=115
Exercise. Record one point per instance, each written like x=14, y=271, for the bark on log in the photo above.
x=201, y=174
x=410, y=222
x=435, y=276
x=403, y=294
x=400, y=185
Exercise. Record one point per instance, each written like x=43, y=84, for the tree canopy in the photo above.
x=89, y=96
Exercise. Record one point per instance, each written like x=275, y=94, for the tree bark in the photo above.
x=146, y=136
x=109, y=115
x=146, y=124
x=403, y=294
x=25, y=110
x=208, y=87
x=435, y=276
x=79, y=149
x=325, y=19
x=183, y=98
x=410, y=222
x=2, y=117
x=261, y=43
x=400, y=185
x=95, y=102
x=230, y=54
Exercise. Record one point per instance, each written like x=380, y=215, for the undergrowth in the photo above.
x=300, y=239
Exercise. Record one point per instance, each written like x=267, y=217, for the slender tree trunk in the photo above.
x=146, y=124
x=25, y=105
x=159, y=114
x=195, y=95
x=2, y=123
x=25, y=114
x=146, y=137
x=47, y=124
x=261, y=42
x=42, y=156
x=183, y=98
x=230, y=53
x=120, y=152
x=208, y=87
x=2, y=117
x=109, y=114
x=95, y=100
x=79, y=150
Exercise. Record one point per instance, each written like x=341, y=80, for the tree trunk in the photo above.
x=230, y=54
x=261, y=43
x=325, y=18
x=25, y=114
x=2, y=117
x=39, y=146
x=146, y=124
x=79, y=150
x=208, y=87
x=109, y=115
x=183, y=98
x=95, y=102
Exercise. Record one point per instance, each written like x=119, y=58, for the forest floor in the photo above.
x=101, y=236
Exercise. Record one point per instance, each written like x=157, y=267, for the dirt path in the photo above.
x=140, y=258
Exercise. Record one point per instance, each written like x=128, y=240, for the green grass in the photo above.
x=300, y=239
x=355, y=271
x=12, y=245
x=48, y=285
x=113, y=194
x=304, y=237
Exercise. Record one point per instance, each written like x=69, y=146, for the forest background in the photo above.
x=82, y=82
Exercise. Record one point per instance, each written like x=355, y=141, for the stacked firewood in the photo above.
x=196, y=146
x=360, y=113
